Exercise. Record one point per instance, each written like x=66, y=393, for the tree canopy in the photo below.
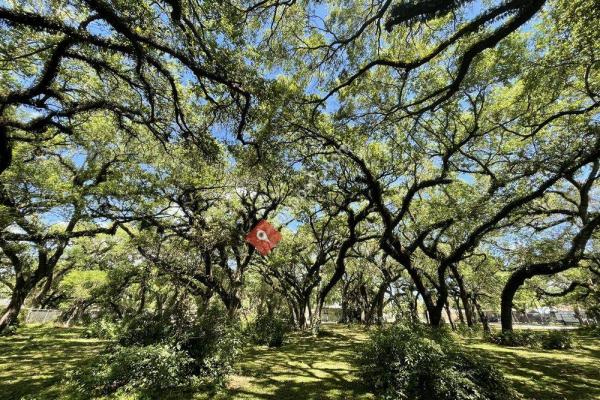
x=418, y=155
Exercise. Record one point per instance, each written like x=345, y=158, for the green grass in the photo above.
x=303, y=368
x=549, y=374
x=33, y=362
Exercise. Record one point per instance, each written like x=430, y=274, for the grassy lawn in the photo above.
x=303, y=368
x=33, y=362
x=549, y=374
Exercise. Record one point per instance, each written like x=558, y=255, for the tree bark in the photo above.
x=449, y=314
x=5, y=150
x=459, y=310
x=464, y=296
x=482, y=317
x=435, y=316
x=17, y=299
x=508, y=294
x=38, y=299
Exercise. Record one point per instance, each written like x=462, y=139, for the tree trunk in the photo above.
x=5, y=151
x=482, y=317
x=380, y=307
x=508, y=294
x=464, y=296
x=233, y=306
x=295, y=314
x=435, y=316
x=578, y=315
x=38, y=299
x=375, y=311
x=10, y=314
x=302, y=324
x=344, y=317
x=299, y=306
x=459, y=310
x=414, y=313
x=449, y=314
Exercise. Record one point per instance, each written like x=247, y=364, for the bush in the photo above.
x=465, y=330
x=102, y=329
x=551, y=340
x=269, y=330
x=213, y=342
x=9, y=330
x=144, y=329
x=414, y=362
x=557, y=340
x=205, y=350
x=151, y=368
x=593, y=330
x=516, y=338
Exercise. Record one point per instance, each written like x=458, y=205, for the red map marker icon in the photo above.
x=264, y=237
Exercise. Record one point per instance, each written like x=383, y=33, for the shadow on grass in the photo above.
x=304, y=368
x=33, y=361
x=548, y=374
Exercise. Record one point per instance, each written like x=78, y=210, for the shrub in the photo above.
x=144, y=329
x=414, y=362
x=9, y=330
x=151, y=368
x=269, y=330
x=557, y=340
x=102, y=329
x=527, y=338
x=204, y=350
x=593, y=330
x=465, y=330
x=213, y=342
x=522, y=338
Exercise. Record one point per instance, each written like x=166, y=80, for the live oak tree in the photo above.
x=492, y=133
x=106, y=274
x=369, y=288
x=431, y=132
x=45, y=201
x=156, y=65
x=297, y=268
x=194, y=230
x=572, y=225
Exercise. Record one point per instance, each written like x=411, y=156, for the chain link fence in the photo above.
x=41, y=316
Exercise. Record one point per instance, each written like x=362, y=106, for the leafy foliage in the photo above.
x=145, y=329
x=214, y=343
x=269, y=330
x=151, y=368
x=414, y=362
x=154, y=346
x=469, y=331
x=521, y=337
x=557, y=340
x=551, y=340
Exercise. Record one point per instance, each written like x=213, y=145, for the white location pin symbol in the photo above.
x=262, y=235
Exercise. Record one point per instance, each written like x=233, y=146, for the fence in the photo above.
x=41, y=316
